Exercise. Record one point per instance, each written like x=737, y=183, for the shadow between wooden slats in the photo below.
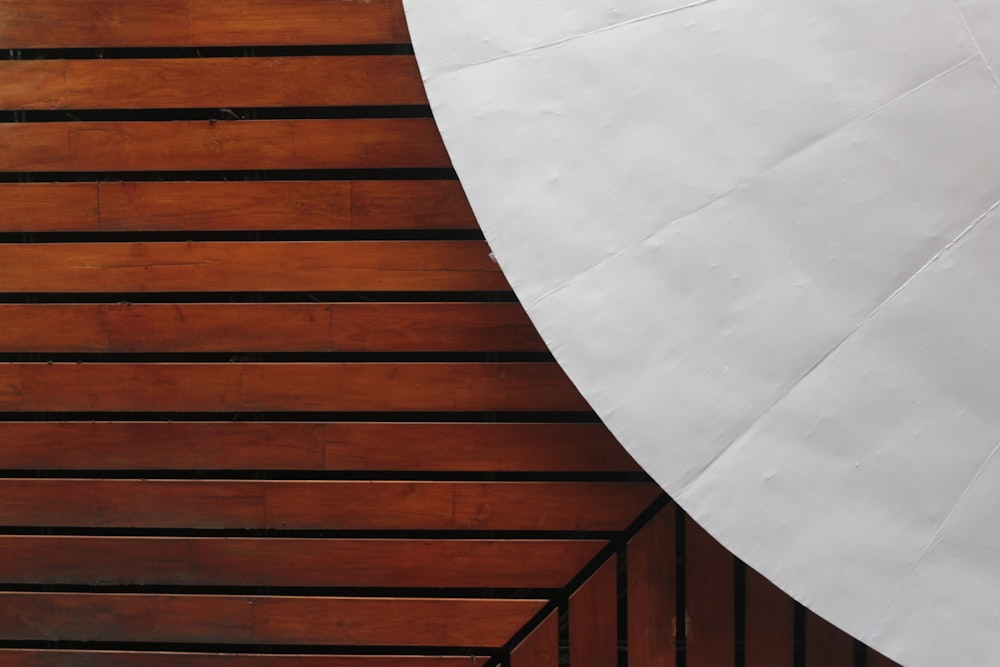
x=147, y=83
x=593, y=619
x=291, y=562
x=710, y=597
x=118, y=206
x=352, y=143
x=343, y=446
x=64, y=658
x=120, y=23
x=652, y=593
x=221, y=619
x=541, y=647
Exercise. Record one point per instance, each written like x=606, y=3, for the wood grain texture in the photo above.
x=280, y=205
x=351, y=446
x=593, y=619
x=710, y=587
x=271, y=387
x=541, y=647
x=167, y=561
x=49, y=207
x=652, y=592
x=826, y=645
x=144, y=83
x=249, y=266
x=267, y=327
x=64, y=658
x=321, y=505
x=351, y=143
x=770, y=624
x=124, y=23
x=261, y=620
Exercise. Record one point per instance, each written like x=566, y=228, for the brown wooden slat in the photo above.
x=261, y=620
x=770, y=624
x=876, y=659
x=265, y=327
x=365, y=143
x=652, y=593
x=396, y=446
x=710, y=596
x=129, y=387
x=48, y=207
x=121, y=23
x=145, y=83
x=249, y=266
x=541, y=647
x=593, y=619
x=826, y=645
x=322, y=505
x=168, y=561
x=64, y=658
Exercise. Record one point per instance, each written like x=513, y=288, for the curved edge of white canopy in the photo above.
x=761, y=240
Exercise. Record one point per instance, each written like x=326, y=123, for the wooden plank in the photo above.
x=269, y=387
x=876, y=659
x=281, y=205
x=359, y=446
x=267, y=327
x=826, y=645
x=321, y=505
x=710, y=588
x=249, y=266
x=593, y=619
x=261, y=620
x=48, y=207
x=123, y=23
x=168, y=561
x=65, y=658
x=148, y=83
x=652, y=593
x=770, y=624
x=351, y=143
x=541, y=647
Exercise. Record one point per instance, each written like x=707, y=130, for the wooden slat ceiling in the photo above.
x=266, y=400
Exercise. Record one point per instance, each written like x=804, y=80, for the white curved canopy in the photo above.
x=762, y=239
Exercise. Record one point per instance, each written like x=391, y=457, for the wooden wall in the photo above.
x=265, y=399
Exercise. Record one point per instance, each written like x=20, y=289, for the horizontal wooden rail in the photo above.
x=64, y=658
x=166, y=561
x=352, y=143
x=264, y=327
x=249, y=266
x=32, y=24
x=324, y=387
x=305, y=81
x=261, y=620
x=157, y=206
x=354, y=446
x=320, y=505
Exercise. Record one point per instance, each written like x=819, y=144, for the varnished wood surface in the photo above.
x=249, y=266
x=267, y=327
x=770, y=624
x=826, y=645
x=303, y=81
x=322, y=505
x=123, y=23
x=652, y=592
x=155, y=206
x=65, y=658
x=349, y=446
x=710, y=596
x=593, y=619
x=541, y=647
x=261, y=620
x=271, y=387
x=185, y=561
x=186, y=145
